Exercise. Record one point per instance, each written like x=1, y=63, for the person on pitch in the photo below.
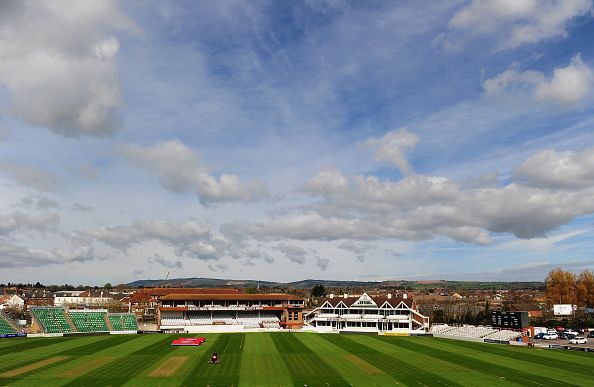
x=214, y=359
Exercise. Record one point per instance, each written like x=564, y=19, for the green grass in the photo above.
x=284, y=359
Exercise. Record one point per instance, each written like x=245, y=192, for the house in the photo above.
x=11, y=301
x=365, y=313
x=534, y=310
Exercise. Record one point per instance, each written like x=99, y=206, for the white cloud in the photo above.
x=180, y=169
x=19, y=221
x=359, y=249
x=564, y=170
x=219, y=267
x=187, y=239
x=322, y=263
x=31, y=176
x=416, y=207
x=15, y=256
x=81, y=208
x=568, y=85
x=58, y=64
x=295, y=254
x=165, y=262
x=175, y=234
x=517, y=22
x=392, y=147
x=544, y=244
x=45, y=203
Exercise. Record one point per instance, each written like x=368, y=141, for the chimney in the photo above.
x=389, y=295
x=331, y=295
x=404, y=296
x=345, y=295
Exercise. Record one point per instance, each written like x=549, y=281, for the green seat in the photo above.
x=123, y=322
x=5, y=327
x=52, y=319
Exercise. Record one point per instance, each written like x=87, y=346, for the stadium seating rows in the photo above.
x=123, y=322
x=57, y=320
x=5, y=327
x=89, y=321
x=473, y=332
x=248, y=319
x=52, y=319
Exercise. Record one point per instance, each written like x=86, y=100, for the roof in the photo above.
x=526, y=307
x=233, y=297
x=350, y=300
x=140, y=297
x=167, y=291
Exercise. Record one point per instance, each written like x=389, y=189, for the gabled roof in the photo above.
x=232, y=297
x=379, y=300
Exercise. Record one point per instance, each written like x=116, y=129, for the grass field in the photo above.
x=284, y=359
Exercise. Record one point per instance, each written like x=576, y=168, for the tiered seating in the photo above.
x=473, y=332
x=223, y=317
x=249, y=320
x=174, y=321
x=89, y=321
x=441, y=329
x=504, y=335
x=269, y=320
x=53, y=319
x=123, y=322
x=199, y=318
x=5, y=327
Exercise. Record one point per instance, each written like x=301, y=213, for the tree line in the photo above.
x=564, y=287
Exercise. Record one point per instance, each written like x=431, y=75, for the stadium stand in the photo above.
x=227, y=312
x=123, y=322
x=52, y=319
x=89, y=321
x=247, y=319
x=473, y=332
x=59, y=320
x=6, y=327
x=368, y=313
x=504, y=335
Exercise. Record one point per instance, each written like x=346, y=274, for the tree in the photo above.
x=318, y=291
x=560, y=287
x=585, y=289
x=250, y=290
x=439, y=316
x=107, y=286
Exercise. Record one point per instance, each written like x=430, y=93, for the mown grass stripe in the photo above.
x=423, y=345
x=39, y=352
x=261, y=363
x=72, y=355
x=26, y=344
x=557, y=373
x=201, y=363
x=120, y=370
x=304, y=365
x=401, y=371
x=529, y=355
x=229, y=347
x=445, y=370
x=353, y=368
x=99, y=345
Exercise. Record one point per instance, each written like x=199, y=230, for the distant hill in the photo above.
x=310, y=283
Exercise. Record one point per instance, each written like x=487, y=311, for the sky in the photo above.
x=286, y=140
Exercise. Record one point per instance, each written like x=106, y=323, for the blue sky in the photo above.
x=286, y=140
